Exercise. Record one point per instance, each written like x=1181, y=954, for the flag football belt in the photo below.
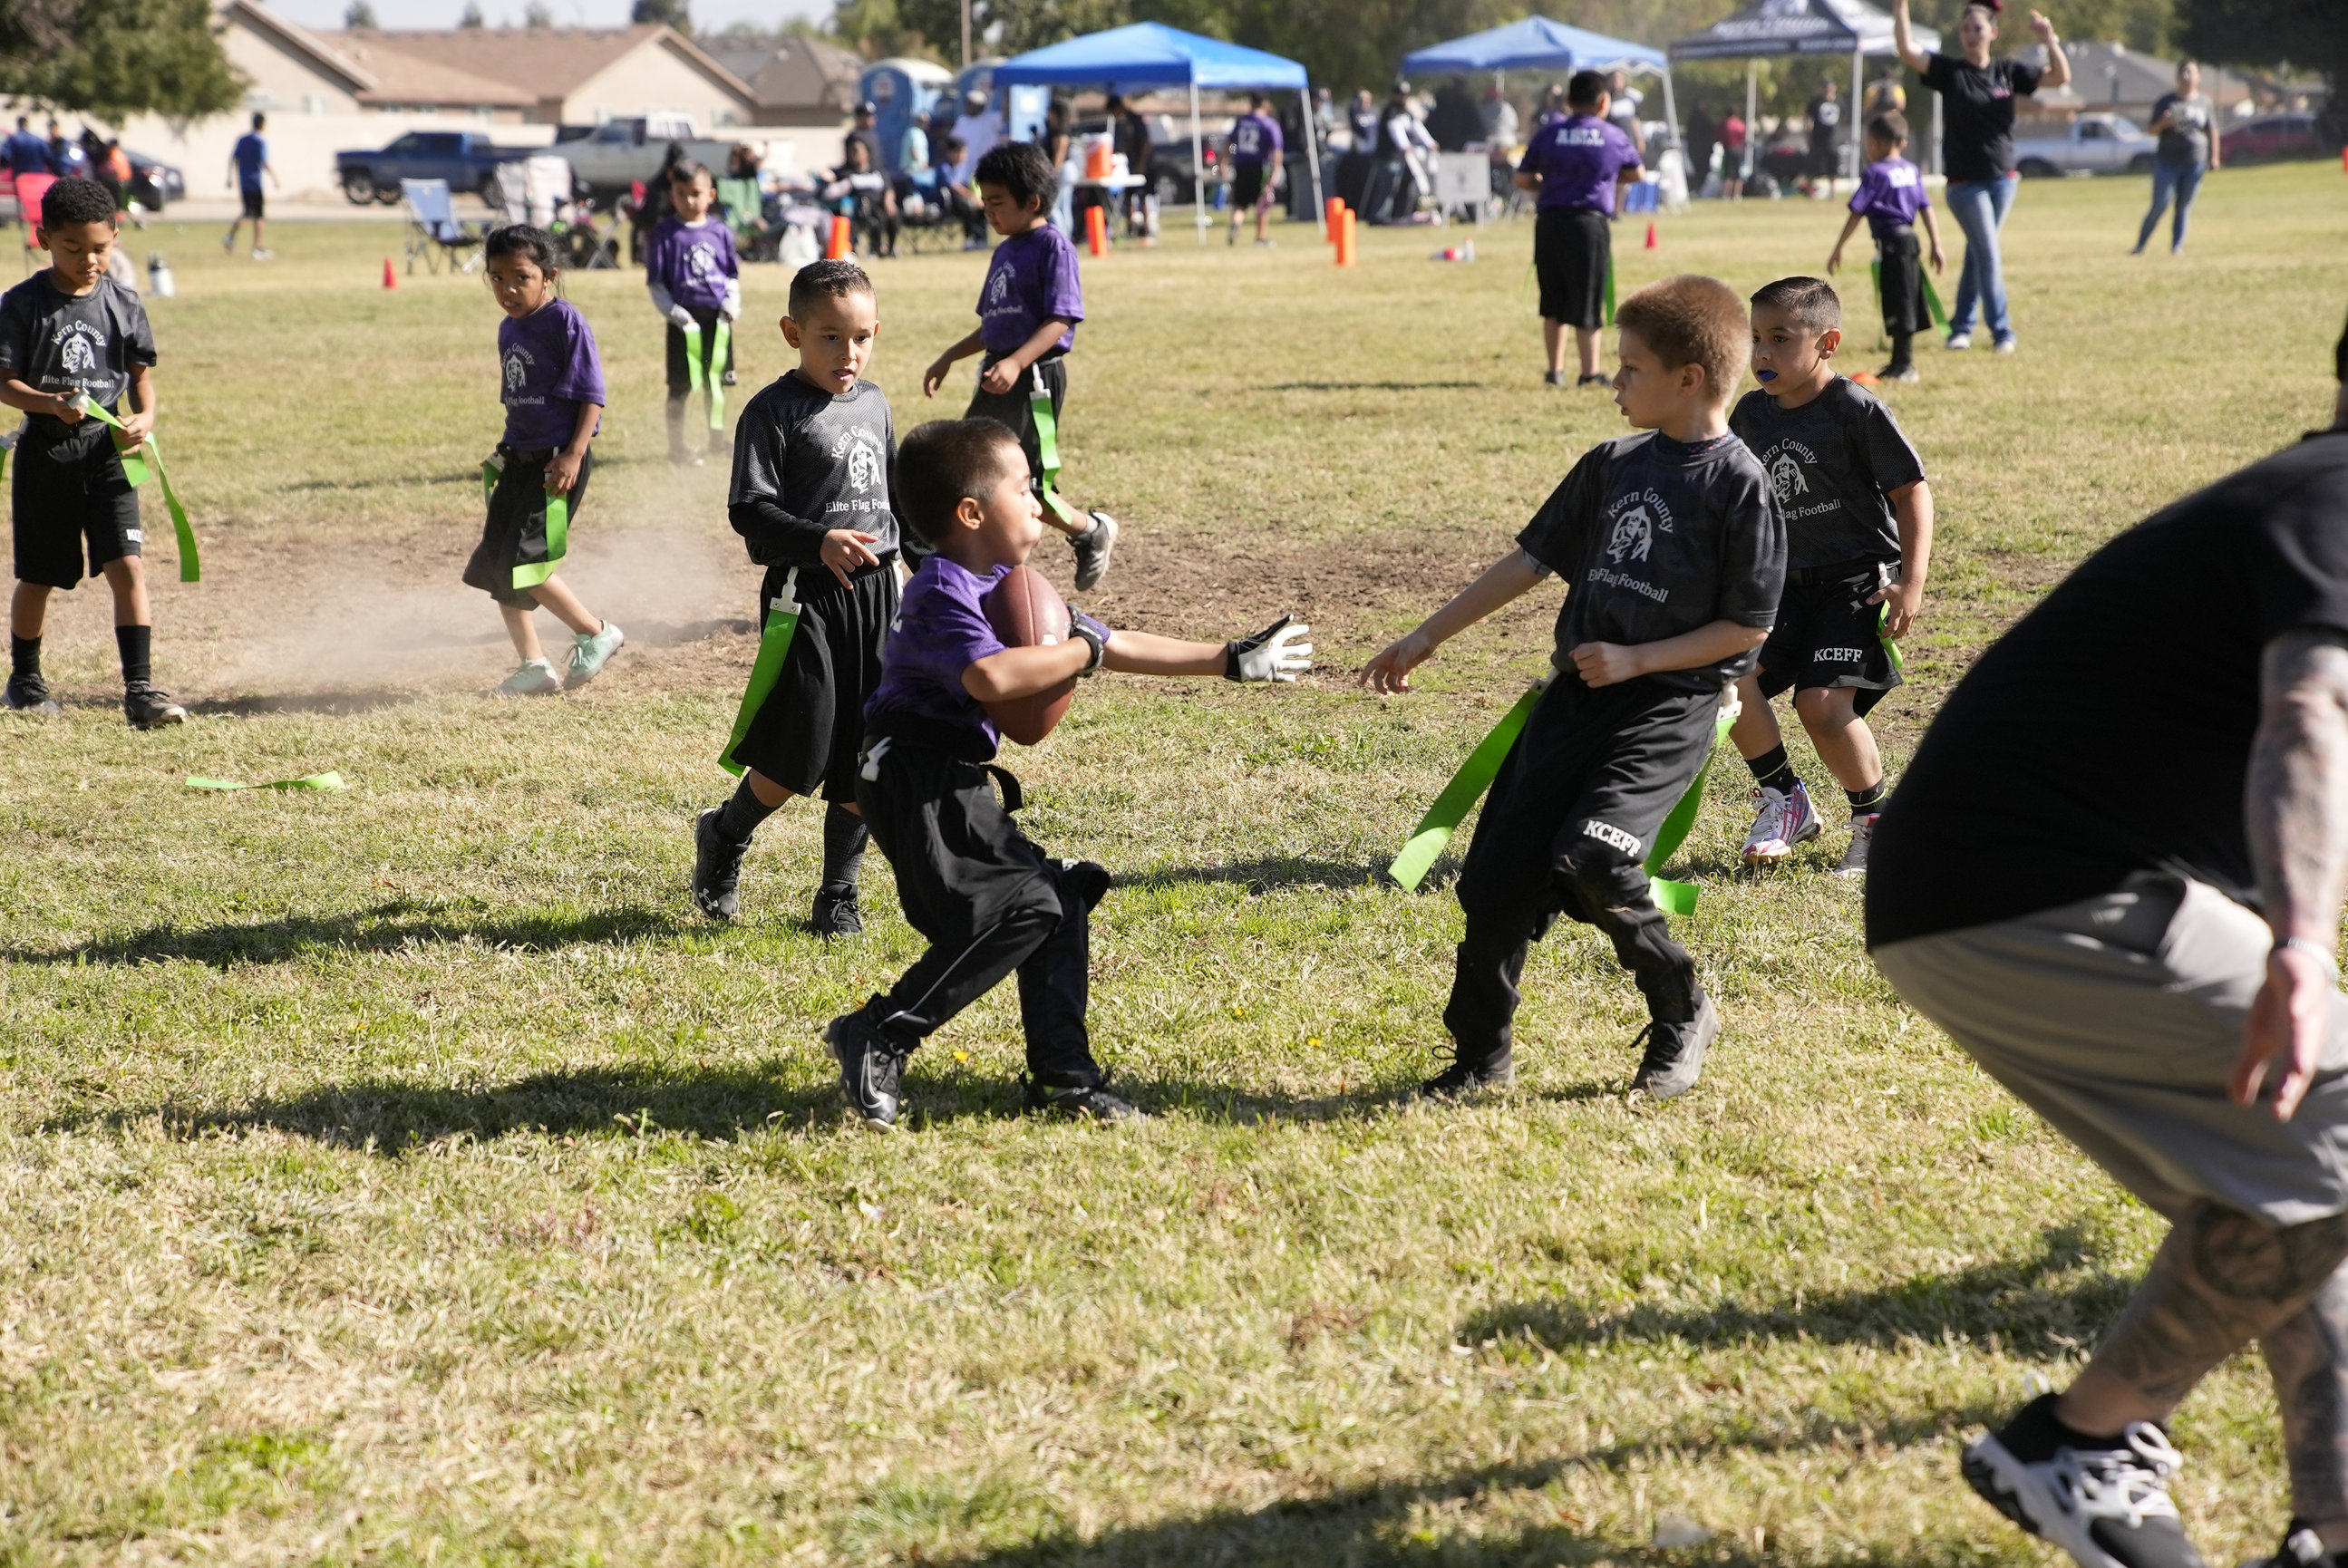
x=1931, y=296
x=696, y=377
x=558, y=519
x=134, y=468
x=314, y=781
x=1483, y=765
x=1048, y=444
x=774, y=645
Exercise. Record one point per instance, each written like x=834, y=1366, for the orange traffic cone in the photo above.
x=1346, y=240
x=837, y=246
x=390, y=281
x=1335, y=210
x=1096, y=230
x=1651, y=234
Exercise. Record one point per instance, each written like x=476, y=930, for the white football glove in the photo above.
x=678, y=316
x=1272, y=654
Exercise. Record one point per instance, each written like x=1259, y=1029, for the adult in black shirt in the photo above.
x=2141, y=943
x=1977, y=146
x=1825, y=133
x=1129, y=137
x=2186, y=124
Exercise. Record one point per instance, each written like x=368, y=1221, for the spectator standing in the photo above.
x=1826, y=138
x=1130, y=140
x=1355, y=168
x=1500, y=124
x=1623, y=102
x=1057, y=143
x=27, y=151
x=248, y=163
x=1977, y=148
x=66, y=158
x=2186, y=122
x=980, y=126
x=1732, y=160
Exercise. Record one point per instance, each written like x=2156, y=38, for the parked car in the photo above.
x=2098, y=143
x=467, y=159
x=2271, y=136
x=154, y=183
x=608, y=160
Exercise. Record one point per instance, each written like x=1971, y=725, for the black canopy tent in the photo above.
x=1819, y=27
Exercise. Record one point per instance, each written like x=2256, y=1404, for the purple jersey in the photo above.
x=550, y=368
x=1255, y=139
x=1578, y=159
x=939, y=632
x=1890, y=194
x=1031, y=280
x=692, y=261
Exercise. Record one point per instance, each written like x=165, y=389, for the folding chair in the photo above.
x=433, y=231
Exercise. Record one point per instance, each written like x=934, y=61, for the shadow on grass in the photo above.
x=341, y=704
x=2021, y=1304
x=677, y=634
x=1264, y=875
x=386, y=926
x=1375, y=386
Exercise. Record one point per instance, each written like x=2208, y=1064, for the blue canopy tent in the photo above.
x=1538, y=43
x=1153, y=54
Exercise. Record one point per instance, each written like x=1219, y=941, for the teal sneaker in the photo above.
x=535, y=679
x=590, y=652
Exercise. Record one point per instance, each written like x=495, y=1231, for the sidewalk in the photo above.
x=223, y=208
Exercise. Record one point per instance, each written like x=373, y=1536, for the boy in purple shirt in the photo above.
x=1028, y=310
x=1892, y=197
x=1255, y=148
x=987, y=898
x=1576, y=164
x=696, y=281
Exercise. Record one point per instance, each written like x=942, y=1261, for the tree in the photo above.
x=674, y=14
x=472, y=16
x=115, y=58
x=359, y=14
x=537, y=14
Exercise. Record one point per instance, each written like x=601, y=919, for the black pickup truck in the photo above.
x=467, y=159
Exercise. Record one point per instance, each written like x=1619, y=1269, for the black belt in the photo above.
x=1805, y=576
x=528, y=454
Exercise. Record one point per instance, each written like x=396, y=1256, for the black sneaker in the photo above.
x=2105, y=1500
x=30, y=694
x=1594, y=379
x=1897, y=373
x=1093, y=1100
x=1464, y=1079
x=835, y=914
x=871, y=1068
x=717, y=866
x=1674, y=1057
x=727, y=379
x=1093, y=547
x=2300, y=1548
x=1556, y=378
x=148, y=708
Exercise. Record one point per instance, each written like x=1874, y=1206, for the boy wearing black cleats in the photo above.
x=814, y=464
x=71, y=338
x=1673, y=554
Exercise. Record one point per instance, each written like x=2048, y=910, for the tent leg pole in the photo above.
x=1752, y=114
x=1198, y=165
x=1857, y=112
x=1672, y=113
x=1312, y=157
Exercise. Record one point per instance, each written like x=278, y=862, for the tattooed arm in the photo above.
x=2296, y=798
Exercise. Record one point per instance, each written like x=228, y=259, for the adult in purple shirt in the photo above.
x=1255, y=148
x=1577, y=165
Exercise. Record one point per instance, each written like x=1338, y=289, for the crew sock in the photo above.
x=23, y=656
x=1772, y=770
x=2036, y=1432
x=136, y=644
x=844, y=838
x=743, y=814
x=1869, y=800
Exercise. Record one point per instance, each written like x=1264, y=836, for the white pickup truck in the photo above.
x=2096, y=143
x=607, y=160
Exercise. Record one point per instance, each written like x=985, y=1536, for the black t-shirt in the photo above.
x=1830, y=462
x=2109, y=731
x=57, y=343
x=1977, y=137
x=1653, y=538
x=1826, y=122
x=805, y=463
x=2187, y=139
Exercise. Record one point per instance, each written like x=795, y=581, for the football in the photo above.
x=1027, y=611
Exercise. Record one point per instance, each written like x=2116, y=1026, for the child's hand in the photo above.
x=1936, y=259
x=678, y=316
x=1907, y=602
x=136, y=429
x=1607, y=663
x=1390, y=670
x=935, y=376
x=844, y=550
x=1834, y=260
x=1001, y=377
x=69, y=410
x=561, y=472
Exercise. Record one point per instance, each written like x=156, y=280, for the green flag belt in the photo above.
x=1047, y=442
x=1931, y=296
x=134, y=468
x=314, y=781
x=1679, y=898
x=1608, y=320
x=774, y=643
x=721, y=338
x=530, y=574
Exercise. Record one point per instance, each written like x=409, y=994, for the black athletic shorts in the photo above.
x=679, y=373
x=806, y=735
x=1249, y=185
x=71, y=500
x=254, y=205
x=1013, y=409
x=1896, y=256
x=518, y=519
x=1573, y=247
x=1594, y=769
x=1827, y=634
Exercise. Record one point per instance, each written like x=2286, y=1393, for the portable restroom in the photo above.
x=902, y=92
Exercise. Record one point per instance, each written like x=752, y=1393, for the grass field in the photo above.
x=409, y=1176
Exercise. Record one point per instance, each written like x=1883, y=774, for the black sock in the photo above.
x=23, y=656
x=844, y=838
x=1772, y=770
x=136, y=644
x=2036, y=1431
x=743, y=814
x=1864, y=801
x=1901, y=352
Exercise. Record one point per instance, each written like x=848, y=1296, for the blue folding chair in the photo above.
x=433, y=231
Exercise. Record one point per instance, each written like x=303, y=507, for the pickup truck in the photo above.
x=607, y=160
x=467, y=159
x=2091, y=144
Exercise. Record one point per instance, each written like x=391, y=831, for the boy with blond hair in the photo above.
x=1674, y=555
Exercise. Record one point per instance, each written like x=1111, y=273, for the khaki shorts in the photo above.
x=2118, y=1019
